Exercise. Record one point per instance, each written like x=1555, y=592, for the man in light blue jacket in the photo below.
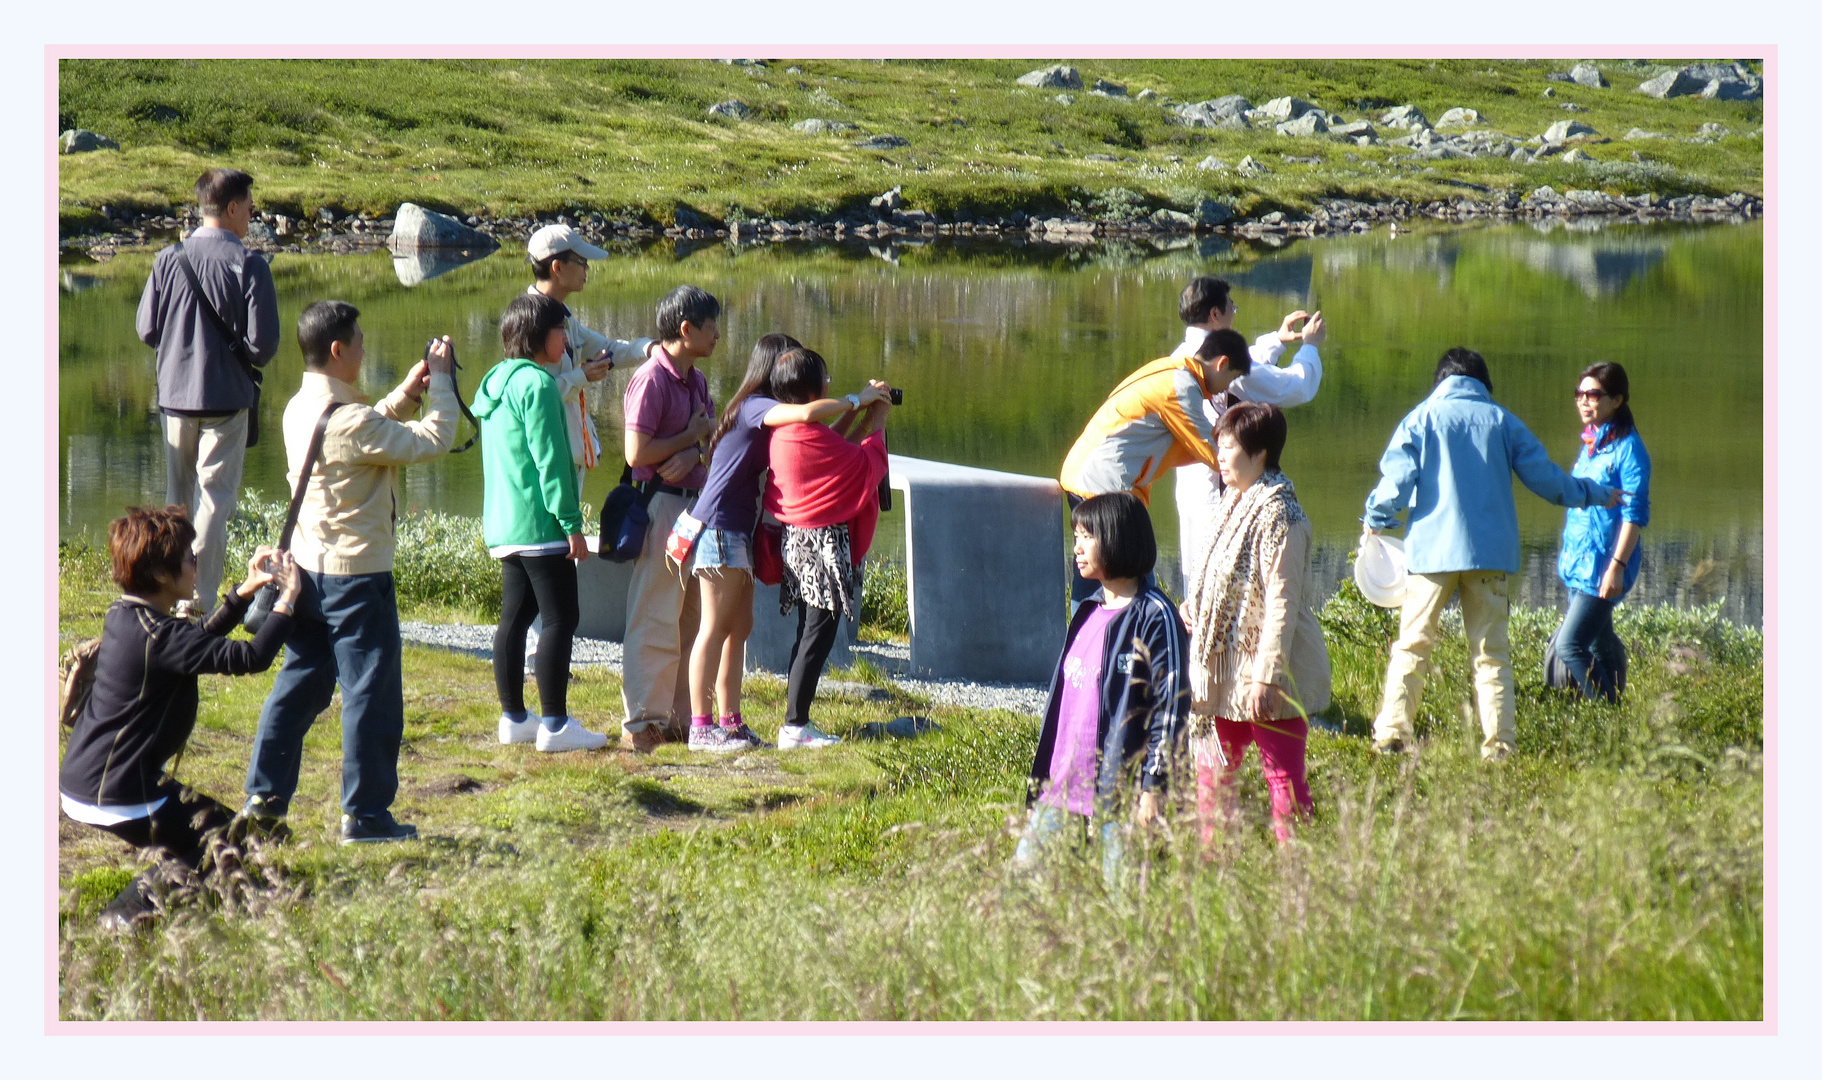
x=1451, y=462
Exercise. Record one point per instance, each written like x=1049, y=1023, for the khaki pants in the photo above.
x=663, y=609
x=1485, y=612
x=202, y=467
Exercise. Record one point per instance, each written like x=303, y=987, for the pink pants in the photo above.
x=1281, y=746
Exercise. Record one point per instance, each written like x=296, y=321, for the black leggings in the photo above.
x=816, y=630
x=536, y=585
x=178, y=825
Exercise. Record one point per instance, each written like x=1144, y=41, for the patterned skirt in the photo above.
x=819, y=571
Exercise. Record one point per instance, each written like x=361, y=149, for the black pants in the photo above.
x=816, y=629
x=536, y=585
x=178, y=825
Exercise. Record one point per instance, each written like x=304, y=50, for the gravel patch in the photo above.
x=894, y=659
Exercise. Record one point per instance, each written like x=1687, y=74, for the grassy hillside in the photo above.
x=633, y=137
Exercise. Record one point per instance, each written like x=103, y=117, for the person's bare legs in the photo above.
x=718, y=658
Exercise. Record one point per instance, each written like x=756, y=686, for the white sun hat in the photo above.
x=1379, y=569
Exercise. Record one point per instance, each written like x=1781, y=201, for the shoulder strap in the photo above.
x=303, y=475
x=236, y=341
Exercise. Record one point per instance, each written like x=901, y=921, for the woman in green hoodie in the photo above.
x=532, y=521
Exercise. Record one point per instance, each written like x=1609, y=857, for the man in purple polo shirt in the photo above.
x=669, y=415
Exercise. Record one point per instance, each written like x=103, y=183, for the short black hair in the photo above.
x=322, y=324
x=541, y=270
x=1613, y=380
x=1201, y=297
x=1122, y=525
x=799, y=376
x=216, y=188
x=1230, y=344
x=1460, y=361
x=1256, y=426
x=527, y=323
x=685, y=304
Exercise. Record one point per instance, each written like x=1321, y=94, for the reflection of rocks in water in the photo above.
x=1288, y=278
x=71, y=282
x=420, y=266
x=1598, y=267
x=1214, y=247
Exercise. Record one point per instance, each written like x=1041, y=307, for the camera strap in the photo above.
x=475, y=425
x=303, y=475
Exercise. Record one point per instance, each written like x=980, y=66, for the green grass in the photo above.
x=631, y=137
x=1611, y=870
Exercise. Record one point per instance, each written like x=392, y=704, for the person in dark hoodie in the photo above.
x=139, y=715
x=1120, y=695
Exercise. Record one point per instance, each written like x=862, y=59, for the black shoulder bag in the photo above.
x=237, y=343
x=268, y=593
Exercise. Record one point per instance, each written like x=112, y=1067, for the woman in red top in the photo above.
x=824, y=487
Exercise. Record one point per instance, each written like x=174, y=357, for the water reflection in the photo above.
x=418, y=267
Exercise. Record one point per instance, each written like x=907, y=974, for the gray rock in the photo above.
x=1211, y=163
x=1286, y=108
x=260, y=233
x=882, y=142
x=1404, y=116
x=1463, y=117
x=733, y=109
x=1107, y=89
x=1559, y=76
x=1714, y=131
x=818, y=126
x=1065, y=99
x=1566, y=129
x=1353, y=130
x=83, y=141
x=325, y=215
x=1210, y=212
x=1099, y=157
x=1587, y=75
x=1171, y=219
x=1223, y=112
x=1147, y=94
x=1549, y=91
x=1577, y=155
x=1442, y=152
x=905, y=727
x=1310, y=123
x=1249, y=167
x=1059, y=77
x=1570, y=106
x=1543, y=196
x=889, y=201
x=414, y=227
x=1674, y=83
x=1733, y=90
x=1519, y=157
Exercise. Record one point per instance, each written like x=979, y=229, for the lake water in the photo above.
x=1005, y=350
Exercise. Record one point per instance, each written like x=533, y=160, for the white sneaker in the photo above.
x=525, y=730
x=571, y=736
x=804, y=737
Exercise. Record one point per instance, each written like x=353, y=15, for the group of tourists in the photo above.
x=780, y=485
x=1146, y=689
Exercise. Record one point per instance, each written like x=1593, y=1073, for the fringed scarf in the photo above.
x=1227, y=593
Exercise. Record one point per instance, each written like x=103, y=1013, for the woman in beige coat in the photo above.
x=1258, y=664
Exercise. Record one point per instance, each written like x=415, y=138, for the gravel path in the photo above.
x=892, y=658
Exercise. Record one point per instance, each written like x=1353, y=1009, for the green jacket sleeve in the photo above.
x=547, y=436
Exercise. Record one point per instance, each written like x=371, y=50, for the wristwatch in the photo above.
x=853, y=401
x=280, y=607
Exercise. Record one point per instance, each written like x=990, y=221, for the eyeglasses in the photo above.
x=573, y=259
x=1590, y=395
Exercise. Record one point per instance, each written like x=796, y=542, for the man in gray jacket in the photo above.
x=207, y=389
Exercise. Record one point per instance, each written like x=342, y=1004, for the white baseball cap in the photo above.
x=556, y=239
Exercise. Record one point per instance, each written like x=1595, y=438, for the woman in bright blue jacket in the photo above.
x=1600, y=550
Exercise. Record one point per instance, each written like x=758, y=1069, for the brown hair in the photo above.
x=146, y=541
x=1255, y=426
x=216, y=188
x=527, y=324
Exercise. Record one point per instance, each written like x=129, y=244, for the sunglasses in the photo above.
x=1590, y=395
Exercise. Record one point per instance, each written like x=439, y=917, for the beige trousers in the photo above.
x=662, y=614
x=1485, y=611
x=202, y=467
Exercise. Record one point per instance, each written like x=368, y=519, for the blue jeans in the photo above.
x=1053, y=831
x=1588, y=647
x=346, y=633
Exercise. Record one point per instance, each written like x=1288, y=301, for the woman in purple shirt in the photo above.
x=729, y=512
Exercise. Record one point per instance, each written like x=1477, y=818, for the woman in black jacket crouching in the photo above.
x=143, y=705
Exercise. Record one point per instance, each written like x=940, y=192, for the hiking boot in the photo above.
x=804, y=737
x=1391, y=747
x=262, y=817
x=571, y=736
x=377, y=828
x=644, y=741
x=130, y=910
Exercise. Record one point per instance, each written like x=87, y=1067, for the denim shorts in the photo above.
x=718, y=549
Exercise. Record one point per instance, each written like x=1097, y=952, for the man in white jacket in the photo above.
x=1206, y=306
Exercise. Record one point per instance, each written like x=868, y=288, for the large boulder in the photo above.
x=1286, y=108
x=1356, y=130
x=414, y=227
x=818, y=126
x=1566, y=129
x=1677, y=82
x=1211, y=163
x=1221, y=112
x=882, y=142
x=1587, y=75
x=1404, y=116
x=1310, y=123
x=1059, y=77
x=1459, y=117
x=83, y=141
x=1175, y=220
x=889, y=201
x=733, y=109
x=1210, y=212
x=1249, y=167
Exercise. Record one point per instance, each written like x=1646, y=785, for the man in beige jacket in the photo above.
x=347, y=620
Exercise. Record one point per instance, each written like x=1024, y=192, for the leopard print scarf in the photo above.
x=1227, y=591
